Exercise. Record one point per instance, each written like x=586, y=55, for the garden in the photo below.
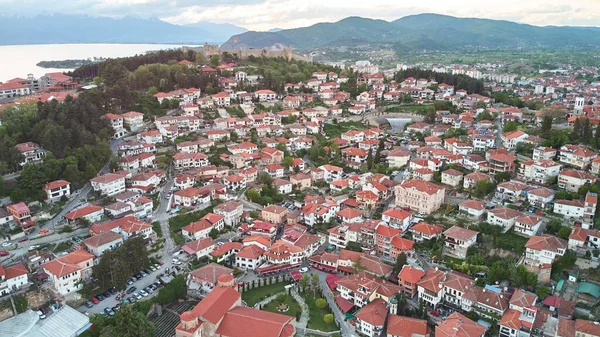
x=283, y=304
x=255, y=295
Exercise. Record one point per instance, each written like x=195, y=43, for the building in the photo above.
x=528, y=224
x=543, y=250
x=429, y=287
x=408, y=279
x=420, y=196
x=458, y=240
x=503, y=216
x=221, y=313
x=63, y=322
x=90, y=214
x=128, y=226
x=32, y=153
x=400, y=326
x=250, y=257
x=371, y=318
x=572, y=180
x=109, y=184
x=452, y=177
x=362, y=288
x=231, y=210
x=423, y=231
x=458, y=325
x=202, y=228
x=21, y=214
x=67, y=272
x=472, y=208
x=57, y=189
x=102, y=242
x=576, y=156
x=539, y=171
x=397, y=218
x=13, y=278
x=274, y=213
x=199, y=248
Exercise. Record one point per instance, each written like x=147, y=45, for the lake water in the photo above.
x=18, y=61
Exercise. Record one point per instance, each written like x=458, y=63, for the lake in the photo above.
x=18, y=61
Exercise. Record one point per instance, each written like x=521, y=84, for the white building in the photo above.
x=109, y=184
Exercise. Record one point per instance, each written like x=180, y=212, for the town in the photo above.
x=198, y=193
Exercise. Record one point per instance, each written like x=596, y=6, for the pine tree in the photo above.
x=377, y=159
x=370, y=160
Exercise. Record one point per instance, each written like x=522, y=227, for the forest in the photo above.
x=73, y=132
x=460, y=82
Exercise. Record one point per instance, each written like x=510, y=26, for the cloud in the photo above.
x=266, y=14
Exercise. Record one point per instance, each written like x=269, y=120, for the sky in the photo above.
x=262, y=15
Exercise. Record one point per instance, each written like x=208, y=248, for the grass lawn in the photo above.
x=255, y=295
x=316, y=321
x=293, y=311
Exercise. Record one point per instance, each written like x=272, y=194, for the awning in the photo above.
x=331, y=281
x=296, y=275
x=343, y=303
x=279, y=267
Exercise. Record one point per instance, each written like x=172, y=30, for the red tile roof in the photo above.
x=248, y=322
x=410, y=274
x=407, y=327
x=458, y=325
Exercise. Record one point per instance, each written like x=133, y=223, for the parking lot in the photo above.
x=144, y=282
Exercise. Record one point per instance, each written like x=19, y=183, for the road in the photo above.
x=76, y=200
x=498, y=132
x=249, y=205
x=308, y=161
x=223, y=113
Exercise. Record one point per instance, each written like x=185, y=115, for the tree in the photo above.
x=380, y=147
x=500, y=177
x=400, y=262
x=214, y=233
x=542, y=292
x=321, y=303
x=510, y=126
x=354, y=246
x=131, y=323
x=314, y=283
x=233, y=136
x=287, y=161
x=546, y=125
x=483, y=188
x=564, y=232
x=304, y=281
x=214, y=61
x=328, y=318
x=485, y=116
x=370, y=160
x=21, y=303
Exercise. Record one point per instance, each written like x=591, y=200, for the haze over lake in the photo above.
x=20, y=60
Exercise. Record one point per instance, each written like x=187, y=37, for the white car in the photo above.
x=143, y=293
x=6, y=244
x=137, y=296
x=304, y=269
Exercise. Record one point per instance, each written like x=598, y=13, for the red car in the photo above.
x=4, y=253
x=160, y=263
x=94, y=300
x=23, y=239
x=435, y=313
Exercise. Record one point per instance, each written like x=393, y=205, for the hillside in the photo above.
x=431, y=31
x=46, y=29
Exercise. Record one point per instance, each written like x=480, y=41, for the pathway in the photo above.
x=301, y=324
x=345, y=328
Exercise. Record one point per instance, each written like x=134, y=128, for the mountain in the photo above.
x=423, y=31
x=219, y=31
x=274, y=30
x=60, y=28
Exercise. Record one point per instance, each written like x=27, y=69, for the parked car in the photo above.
x=95, y=300
x=147, y=271
x=112, y=290
x=100, y=297
x=130, y=290
x=303, y=269
x=157, y=266
x=143, y=293
x=152, y=268
x=89, y=304
x=137, y=296
x=159, y=262
x=4, y=253
x=23, y=239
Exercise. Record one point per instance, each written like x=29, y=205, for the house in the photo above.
x=528, y=224
x=109, y=184
x=202, y=228
x=250, y=257
x=471, y=179
x=21, y=214
x=396, y=218
x=500, y=160
x=521, y=315
x=283, y=186
x=458, y=240
x=301, y=181
x=102, y=242
x=511, y=139
x=349, y=215
x=544, y=153
x=67, y=272
x=189, y=160
x=400, y=326
x=543, y=250
x=576, y=156
x=221, y=313
x=429, y=287
x=397, y=158
x=540, y=197
x=55, y=190
x=371, y=318
x=419, y=195
x=331, y=172
x=389, y=244
x=339, y=236
x=569, y=208
x=275, y=170
x=511, y=191
x=408, y=279
x=424, y=232
x=226, y=251
x=199, y=248
x=452, y=177
x=32, y=153
x=572, y=180
x=127, y=226
x=472, y=208
x=133, y=119
x=458, y=325
x=13, y=278
x=90, y=214
x=503, y=216
x=362, y=288
x=274, y=213
x=539, y=171
x=231, y=211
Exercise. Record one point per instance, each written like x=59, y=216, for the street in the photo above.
x=345, y=328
